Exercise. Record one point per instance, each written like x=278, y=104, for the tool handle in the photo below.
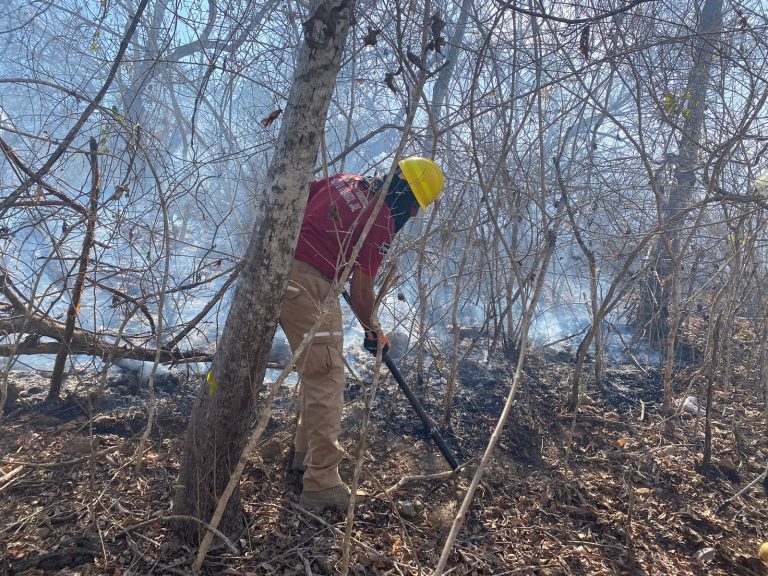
x=423, y=416
x=433, y=431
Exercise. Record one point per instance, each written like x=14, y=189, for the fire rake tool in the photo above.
x=430, y=427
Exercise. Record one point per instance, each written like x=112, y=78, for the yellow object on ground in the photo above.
x=764, y=552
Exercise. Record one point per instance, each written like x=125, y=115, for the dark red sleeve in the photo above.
x=376, y=244
x=315, y=186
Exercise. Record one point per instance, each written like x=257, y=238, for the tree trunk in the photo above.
x=57, y=378
x=654, y=311
x=439, y=99
x=711, y=372
x=224, y=406
x=454, y=361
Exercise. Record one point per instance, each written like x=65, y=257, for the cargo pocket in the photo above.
x=318, y=361
x=293, y=290
x=293, y=313
x=324, y=362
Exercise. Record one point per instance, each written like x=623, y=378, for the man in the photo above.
x=338, y=209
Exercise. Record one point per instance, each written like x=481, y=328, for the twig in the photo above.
x=152, y=408
x=628, y=352
x=132, y=545
x=628, y=524
x=189, y=326
x=564, y=338
x=595, y=544
x=10, y=483
x=250, y=444
x=404, y=531
x=525, y=324
x=304, y=561
x=103, y=546
x=286, y=552
x=50, y=465
x=422, y=478
x=740, y=492
x=156, y=563
x=68, y=336
x=529, y=569
x=359, y=458
x=370, y=551
x=10, y=474
x=175, y=517
x=125, y=41
x=351, y=371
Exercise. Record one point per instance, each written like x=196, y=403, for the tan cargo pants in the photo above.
x=321, y=373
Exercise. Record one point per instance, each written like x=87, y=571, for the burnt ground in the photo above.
x=607, y=493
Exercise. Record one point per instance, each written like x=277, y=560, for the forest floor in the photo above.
x=607, y=494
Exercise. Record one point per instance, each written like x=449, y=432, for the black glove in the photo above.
x=375, y=339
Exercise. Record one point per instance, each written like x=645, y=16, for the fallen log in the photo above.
x=83, y=342
x=102, y=350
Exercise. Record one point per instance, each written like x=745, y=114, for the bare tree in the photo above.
x=225, y=404
x=676, y=179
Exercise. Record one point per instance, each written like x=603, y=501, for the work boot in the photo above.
x=336, y=498
x=297, y=464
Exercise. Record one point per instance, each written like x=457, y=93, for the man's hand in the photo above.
x=375, y=339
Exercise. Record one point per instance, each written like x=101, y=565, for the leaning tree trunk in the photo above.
x=654, y=311
x=218, y=426
x=57, y=378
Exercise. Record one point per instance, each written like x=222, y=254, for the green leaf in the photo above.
x=669, y=103
x=94, y=42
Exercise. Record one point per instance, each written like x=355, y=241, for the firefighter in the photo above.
x=337, y=211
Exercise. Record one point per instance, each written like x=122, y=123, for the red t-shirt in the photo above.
x=337, y=211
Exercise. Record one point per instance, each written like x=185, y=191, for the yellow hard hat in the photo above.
x=424, y=178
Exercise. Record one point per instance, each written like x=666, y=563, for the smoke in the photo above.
x=562, y=328
x=559, y=324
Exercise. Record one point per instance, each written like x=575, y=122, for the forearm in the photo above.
x=363, y=297
x=365, y=314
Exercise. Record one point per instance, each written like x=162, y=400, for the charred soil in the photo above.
x=602, y=493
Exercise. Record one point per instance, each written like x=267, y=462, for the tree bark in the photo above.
x=654, y=311
x=222, y=411
x=57, y=378
x=711, y=372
